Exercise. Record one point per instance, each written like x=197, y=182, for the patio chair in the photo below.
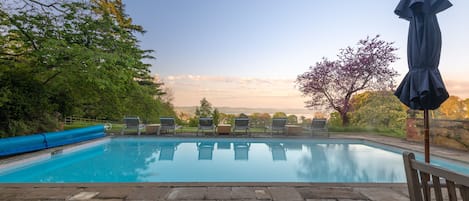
x=318, y=126
x=206, y=124
x=421, y=177
x=241, y=124
x=132, y=122
x=167, y=124
x=278, y=125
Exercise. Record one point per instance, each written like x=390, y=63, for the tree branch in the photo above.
x=51, y=77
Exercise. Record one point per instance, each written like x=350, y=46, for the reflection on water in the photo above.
x=294, y=161
x=205, y=150
x=241, y=150
x=238, y=160
x=278, y=151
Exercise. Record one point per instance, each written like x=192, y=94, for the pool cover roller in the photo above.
x=21, y=144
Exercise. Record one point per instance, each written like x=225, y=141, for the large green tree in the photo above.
x=378, y=109
x=72, y=57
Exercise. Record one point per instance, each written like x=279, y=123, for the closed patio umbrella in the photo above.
x=422, y=88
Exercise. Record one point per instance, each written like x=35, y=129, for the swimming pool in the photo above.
x=218, y=160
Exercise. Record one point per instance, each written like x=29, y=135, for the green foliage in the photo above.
x=335, y=120
x=453, y=108
x=292, y=119
x=279, y=115
x=259, y=120
x=216, y=116
x=379, y=109
x=75, y=58
x=205, y=109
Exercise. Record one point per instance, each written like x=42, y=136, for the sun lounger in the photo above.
x=167, y=124
x=206, y=124
x=132, y=123
x=241, y=124
x=278, y=125
x=318, y=126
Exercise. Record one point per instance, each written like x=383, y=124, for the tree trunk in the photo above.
x=345, y=119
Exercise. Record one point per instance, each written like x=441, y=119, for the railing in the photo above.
x=423, y=177
x=71, y=119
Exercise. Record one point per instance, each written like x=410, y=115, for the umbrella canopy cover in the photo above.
x=422, y=88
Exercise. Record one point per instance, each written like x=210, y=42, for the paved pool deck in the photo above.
x=228, y=191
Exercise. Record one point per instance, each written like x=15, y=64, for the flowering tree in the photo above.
x=332, y=83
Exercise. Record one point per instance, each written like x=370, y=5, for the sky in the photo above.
x=248, y=53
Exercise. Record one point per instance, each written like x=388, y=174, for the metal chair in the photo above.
x=132, y=122
x=241, y=124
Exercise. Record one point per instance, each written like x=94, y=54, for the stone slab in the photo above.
x=238, y=193
x=218, y=193
x=382, y=194
x=195, y=193
x=285, y=194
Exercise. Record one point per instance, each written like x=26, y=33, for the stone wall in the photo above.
x=448, y=133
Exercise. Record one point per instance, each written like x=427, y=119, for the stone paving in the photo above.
x=226, y=191
x=212, y=191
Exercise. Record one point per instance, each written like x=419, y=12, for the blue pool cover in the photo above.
x=22, y=144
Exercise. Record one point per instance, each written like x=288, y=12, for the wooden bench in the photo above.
x=423, y=177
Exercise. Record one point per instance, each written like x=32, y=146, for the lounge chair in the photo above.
x=318, y=126
x=421, y=177
x=206, y=124
x=167, y=124
x=132, y=123
x=278, y=125
x=241, y=124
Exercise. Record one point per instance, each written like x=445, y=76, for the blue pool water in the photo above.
x=219, y=160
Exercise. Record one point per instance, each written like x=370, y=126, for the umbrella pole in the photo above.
x=426, y=135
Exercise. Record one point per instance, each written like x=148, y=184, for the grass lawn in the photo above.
x=116, y=128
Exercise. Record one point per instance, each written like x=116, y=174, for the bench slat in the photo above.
x=451, y=190
x=437, y=186
x=464, y=191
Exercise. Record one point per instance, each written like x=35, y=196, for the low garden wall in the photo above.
x=447, y=133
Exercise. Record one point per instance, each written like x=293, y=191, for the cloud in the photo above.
x=458, y=88
x=234, y=91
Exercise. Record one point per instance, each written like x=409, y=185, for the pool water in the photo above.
x=219, y=160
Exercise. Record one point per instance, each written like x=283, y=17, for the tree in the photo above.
x=279, y=115
x=216, y=116
x=292, y=119
x=452, y=108
x=80, y=57
x=466, y=108
x=242, y=115
x=205, y=109
x=378, y=109
x=332, y=84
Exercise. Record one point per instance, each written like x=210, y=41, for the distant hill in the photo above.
x=237, y=110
